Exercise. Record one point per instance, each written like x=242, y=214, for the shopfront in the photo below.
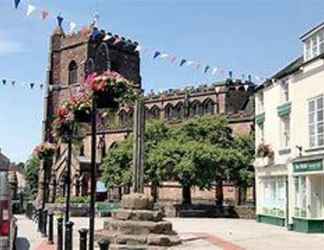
x=308, y=200
x=273, y=203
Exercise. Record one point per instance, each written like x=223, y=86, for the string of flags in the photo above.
x=44, y=14
x=14, y=83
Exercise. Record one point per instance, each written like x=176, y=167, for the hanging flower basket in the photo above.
x=80, y=105
x=265, y=150
x=44, y=151
x=110, y=89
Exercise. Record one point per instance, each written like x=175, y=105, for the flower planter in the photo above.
x=82, y=116
x=106, y=100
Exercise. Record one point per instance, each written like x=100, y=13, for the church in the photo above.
x=74, y=56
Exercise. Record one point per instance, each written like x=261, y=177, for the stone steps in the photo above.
x=150, y=240
x=138, y=227
x=135, y=247
x=137, y=215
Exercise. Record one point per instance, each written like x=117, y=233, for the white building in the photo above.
x=290, y=137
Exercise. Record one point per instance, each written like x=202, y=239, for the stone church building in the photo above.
x=74, y=56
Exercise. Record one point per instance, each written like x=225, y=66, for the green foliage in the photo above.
x=32, y=168
x=117, y=164
x=74, y=200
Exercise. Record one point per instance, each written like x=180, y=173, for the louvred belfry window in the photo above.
x=73, y=72
x=102, y=59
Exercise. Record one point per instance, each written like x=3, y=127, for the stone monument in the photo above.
x=137, y=226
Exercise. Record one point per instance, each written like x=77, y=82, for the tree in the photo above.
x=243, y=176
x=117, y=165
x=32, y=168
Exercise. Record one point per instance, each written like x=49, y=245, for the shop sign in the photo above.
x=308, y=166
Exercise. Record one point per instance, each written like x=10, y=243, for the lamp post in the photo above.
x=93, y=173
x=68, y=174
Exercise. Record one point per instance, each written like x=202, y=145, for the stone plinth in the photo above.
x=136, y=226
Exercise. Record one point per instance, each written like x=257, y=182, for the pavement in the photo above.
x=198, y=234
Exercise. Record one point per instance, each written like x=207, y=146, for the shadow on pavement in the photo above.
x=22, y=244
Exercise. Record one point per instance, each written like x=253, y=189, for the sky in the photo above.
x=255, y=37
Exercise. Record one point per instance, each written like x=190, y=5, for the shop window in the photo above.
x=300, y=196
x=316, y=122
x=73, y=72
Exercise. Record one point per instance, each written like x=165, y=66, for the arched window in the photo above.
x=89, y=67
x=102, y=62
x=73, y=72
x=179, y=111
x=168, y=111
x=155, y=112
x=147, y=113
x=209, y=106
x=123, y=118
x=195, y=108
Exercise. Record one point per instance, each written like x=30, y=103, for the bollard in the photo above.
x=83, y=238
x=40, y=220
x=104, y=244
x=50, y=228
x=44, y=231
x=68, y=235
x=59, y=234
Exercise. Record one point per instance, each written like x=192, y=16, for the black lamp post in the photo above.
x=68, y=173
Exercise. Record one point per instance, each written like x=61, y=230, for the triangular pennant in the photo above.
x=117, y=40
x=4, y=81
x=59, y=20
x=156, y=54
x=72, y=27
x=44, y=14
x=107, y=37
x=138, y=48
x=214, y=71
x=164, y=55
x=32, y=85
x=183, y=61
x=95, y=34
x=41, y=86
x=17, y=2
x=190, y=63
x=13, y=83
x=30, y=9
x=207, y=68
x=173, y=59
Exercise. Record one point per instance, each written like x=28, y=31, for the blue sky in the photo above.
x=248, y=37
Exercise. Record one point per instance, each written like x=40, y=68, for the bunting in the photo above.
x=96, y=34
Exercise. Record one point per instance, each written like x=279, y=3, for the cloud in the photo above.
x=8, y=46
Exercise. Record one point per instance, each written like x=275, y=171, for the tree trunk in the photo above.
x=219, y=193
x=120, y=193
x=186, y=195
x=242, y=195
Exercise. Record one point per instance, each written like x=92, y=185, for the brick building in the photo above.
x=74, y=56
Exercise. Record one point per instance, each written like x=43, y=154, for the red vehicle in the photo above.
x=8, y=228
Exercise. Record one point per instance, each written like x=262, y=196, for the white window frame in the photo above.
x=285, y=132
x=284, y=91
x=316, y=135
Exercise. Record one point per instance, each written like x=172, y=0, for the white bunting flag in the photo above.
x=214, y=71
x=138, y=48
x=30, y=9
x=164, y=55
x=107, y=37
x=72, y=27
x=190, y=63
